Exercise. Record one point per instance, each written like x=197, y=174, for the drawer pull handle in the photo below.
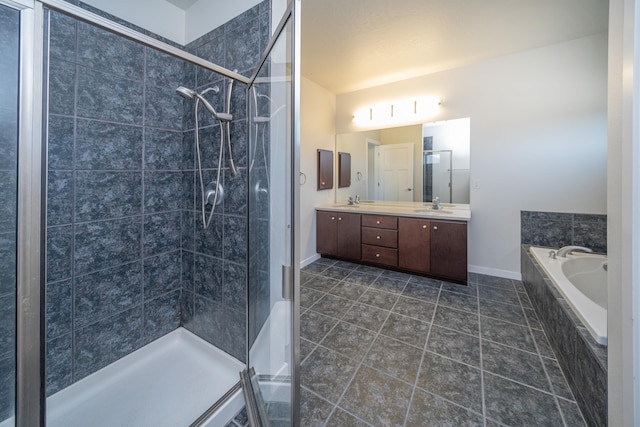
x=377, y=222
x=333, y=218
x=424, y=226
x=377, y=255
x=339, y=218
x=435, y=228
x=378, y=237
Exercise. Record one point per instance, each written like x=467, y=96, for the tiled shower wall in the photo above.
x=215, y=260
x=553, y=229
x=9, y=43
x=127, y=258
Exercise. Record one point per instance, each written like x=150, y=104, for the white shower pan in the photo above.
x=169, y=382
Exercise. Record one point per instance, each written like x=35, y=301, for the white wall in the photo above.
x=317, y=130
x=167, y=20
x=538, y=137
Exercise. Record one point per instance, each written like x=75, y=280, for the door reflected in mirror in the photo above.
x=410, y=163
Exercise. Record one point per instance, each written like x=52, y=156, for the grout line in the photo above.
x=482, y=393
x=424, y=351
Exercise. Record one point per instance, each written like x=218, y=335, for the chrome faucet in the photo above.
x=566, y=250
x=357, y=200
x=436, y=204
x=350, y=200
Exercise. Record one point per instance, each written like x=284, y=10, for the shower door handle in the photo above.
x=287, y=282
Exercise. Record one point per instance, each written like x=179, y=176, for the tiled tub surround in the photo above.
x=581, y=358
x=127, y=261
x=9, y=60
x=384, y=348
x=554, y=230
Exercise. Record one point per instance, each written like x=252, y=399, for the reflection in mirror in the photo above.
x=410, y=163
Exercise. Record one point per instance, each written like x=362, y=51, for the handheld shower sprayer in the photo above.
x=214, y=190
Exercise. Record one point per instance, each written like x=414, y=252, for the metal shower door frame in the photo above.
x=291, y=273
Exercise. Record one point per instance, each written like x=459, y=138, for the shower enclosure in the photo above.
x=125, y=305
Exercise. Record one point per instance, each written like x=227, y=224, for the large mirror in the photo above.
x=409, y=163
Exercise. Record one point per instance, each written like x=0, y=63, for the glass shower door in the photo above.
x=271, y=311
x=9, y=84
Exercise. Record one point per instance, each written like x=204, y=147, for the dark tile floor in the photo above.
x=382, y=348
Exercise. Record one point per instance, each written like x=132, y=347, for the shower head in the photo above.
x=190, y=94
x=186, y=93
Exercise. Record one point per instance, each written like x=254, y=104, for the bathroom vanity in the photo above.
x=409, y=237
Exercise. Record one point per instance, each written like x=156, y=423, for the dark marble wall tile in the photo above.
x=59, y=252
x=188, y=265
x=62, y=76
x=162, y=274
x=161, y=315
x=104, y=244
x=8, y=262
x=7, y=324
x=100, y=96
x=102, y=50
x=163, y=108
x=59, y=362
x=59, y=308
x=592, y=235
x=163, y=150
x=62, y=39
x=161, y=233
x=243, y=48
x=60, y=142
x=103, y=195
x=235, y=202
x=207, y=277
x=581, y=363
x=108, y=146
x=9, y=198
x=189, y=220
x=560, y=229
x=235, y=238
x=163, y=70
x=104, y=293
x=591, y=381
x=106, y=341
x=234, y=292
x=8, y=138
x=161, y=191
x=7, y=385
x=210, y=241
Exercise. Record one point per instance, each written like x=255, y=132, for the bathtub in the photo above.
x=582, y=280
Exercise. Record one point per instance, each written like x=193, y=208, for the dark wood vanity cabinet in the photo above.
x=414, y=252
x=449, y=250
x=338, y=234
x=380, y=239
x=431, y=247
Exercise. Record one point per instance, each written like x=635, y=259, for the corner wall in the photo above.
x=538, y=137
x=317, y=130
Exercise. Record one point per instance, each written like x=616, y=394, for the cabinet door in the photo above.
x=348, y=236
x=326, y=233
x=449, y=249
x=414, y=247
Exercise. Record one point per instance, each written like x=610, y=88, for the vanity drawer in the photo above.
x=380, y=255
x=380, y=221
x=380, y=237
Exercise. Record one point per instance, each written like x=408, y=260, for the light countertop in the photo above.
x=458, y=212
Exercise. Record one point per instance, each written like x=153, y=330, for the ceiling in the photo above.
x=183, y=4
x=349, y=45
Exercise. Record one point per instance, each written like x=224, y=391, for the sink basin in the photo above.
x=346, y=206
x=434, y=211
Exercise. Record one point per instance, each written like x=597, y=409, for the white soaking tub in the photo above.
x=582, y=280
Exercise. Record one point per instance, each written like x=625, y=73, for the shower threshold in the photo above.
x=169, y=382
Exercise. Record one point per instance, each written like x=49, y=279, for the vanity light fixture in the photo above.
x=397, y=112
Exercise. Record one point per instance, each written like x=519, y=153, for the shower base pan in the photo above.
x=169, y=382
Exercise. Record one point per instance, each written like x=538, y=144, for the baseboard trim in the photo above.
x=495, y=272
x=309, y=260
